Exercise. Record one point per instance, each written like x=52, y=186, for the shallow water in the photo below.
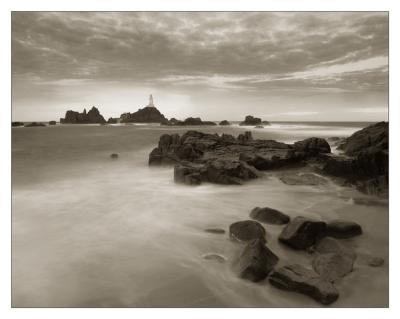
x=89, y=231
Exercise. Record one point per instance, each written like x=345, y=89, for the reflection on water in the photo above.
x=91, y=231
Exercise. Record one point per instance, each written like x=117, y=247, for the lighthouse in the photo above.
x=151, y=101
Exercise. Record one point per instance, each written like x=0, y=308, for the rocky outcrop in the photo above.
x=224, y=122
x=343, y=229
x=222, y=159
x=15, y=124
x=269, y=216
x=91, y=117
x=252, y=121
x=365, y=162
x=302, y=233
x=305, y=281
x=256, y=261
x=52, y=122
x=148, y=114
x=247, y=230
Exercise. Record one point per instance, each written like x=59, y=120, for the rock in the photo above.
x=309, y=179
x=190, y=121
x=302, y=233
x=375, y=261
x=255, y=262
x=343, y=229
x=313, y=146
x=328, y=245
x=215, y=230
x=35, y=124
x=52, y=122
x=112, y=120
x=250, y=120
x=224, y=122
x=216, y=257
x=247, y=230
x=265, y=123
x=14, y=124
x=91, y=117
x=148, y=114
x=114, y=155
x=269, y=216
x=302, y=280
x=333, y=266
x=246, y=137
x=225, y=171
x=375, y=136
x=259, y=126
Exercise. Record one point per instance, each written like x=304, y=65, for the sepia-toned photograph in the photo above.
x=199, y=159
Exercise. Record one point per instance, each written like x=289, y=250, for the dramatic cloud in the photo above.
x=240, y=53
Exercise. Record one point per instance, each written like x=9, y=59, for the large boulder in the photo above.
x=302, y=233
x=269, y=216
x=343, y=229
x=148, y=114
x=375, y=136
x=328, y=245
x=247, y=230
x=333, y=266
x=313, y=146
x=256, y=261
x=302, y=280
x=189, y=173
x=250, y=120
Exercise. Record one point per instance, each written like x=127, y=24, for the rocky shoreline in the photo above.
x=224, y=159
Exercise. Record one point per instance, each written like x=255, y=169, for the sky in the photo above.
x=288, y=66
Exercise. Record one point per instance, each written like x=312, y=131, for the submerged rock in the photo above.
x=35, y=124
x=302, y=233
x=309, y=179
x=114, y=155
x=302, y=280
x=256, y=261
x=333, y=266
x=247, y=230
x=343, y=229
x=269, y=216
x=52, y=122
x=215, y=230
x=215, y=257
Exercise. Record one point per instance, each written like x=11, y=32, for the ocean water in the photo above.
x=89, y=231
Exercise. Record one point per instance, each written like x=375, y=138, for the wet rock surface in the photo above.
x=305, y=281
x=269, y=216
x=302, y=233
x=256, y=261
x=343, y=229
x=333, y=266
x=247, y=230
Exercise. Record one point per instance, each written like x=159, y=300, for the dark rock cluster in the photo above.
x=35, y=124
x=330, y=259
x=224, y=159
x=15, y=124
x=365, y=162
x=91, y=117
x=190, y=121
x=52, y=122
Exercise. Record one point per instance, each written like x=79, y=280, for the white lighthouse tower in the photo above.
x=151, y=101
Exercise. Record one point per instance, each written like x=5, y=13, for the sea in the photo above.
x=91, y=231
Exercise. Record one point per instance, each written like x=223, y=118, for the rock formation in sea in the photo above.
x=52, y=122
x=224, y=159
x=91, y=117
x=250, y=120
x=365, y=159
x=35, y=124
x=112, y=120
x=148, y=114
x=15, y=124
x=190, y=121
x=224, y=122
